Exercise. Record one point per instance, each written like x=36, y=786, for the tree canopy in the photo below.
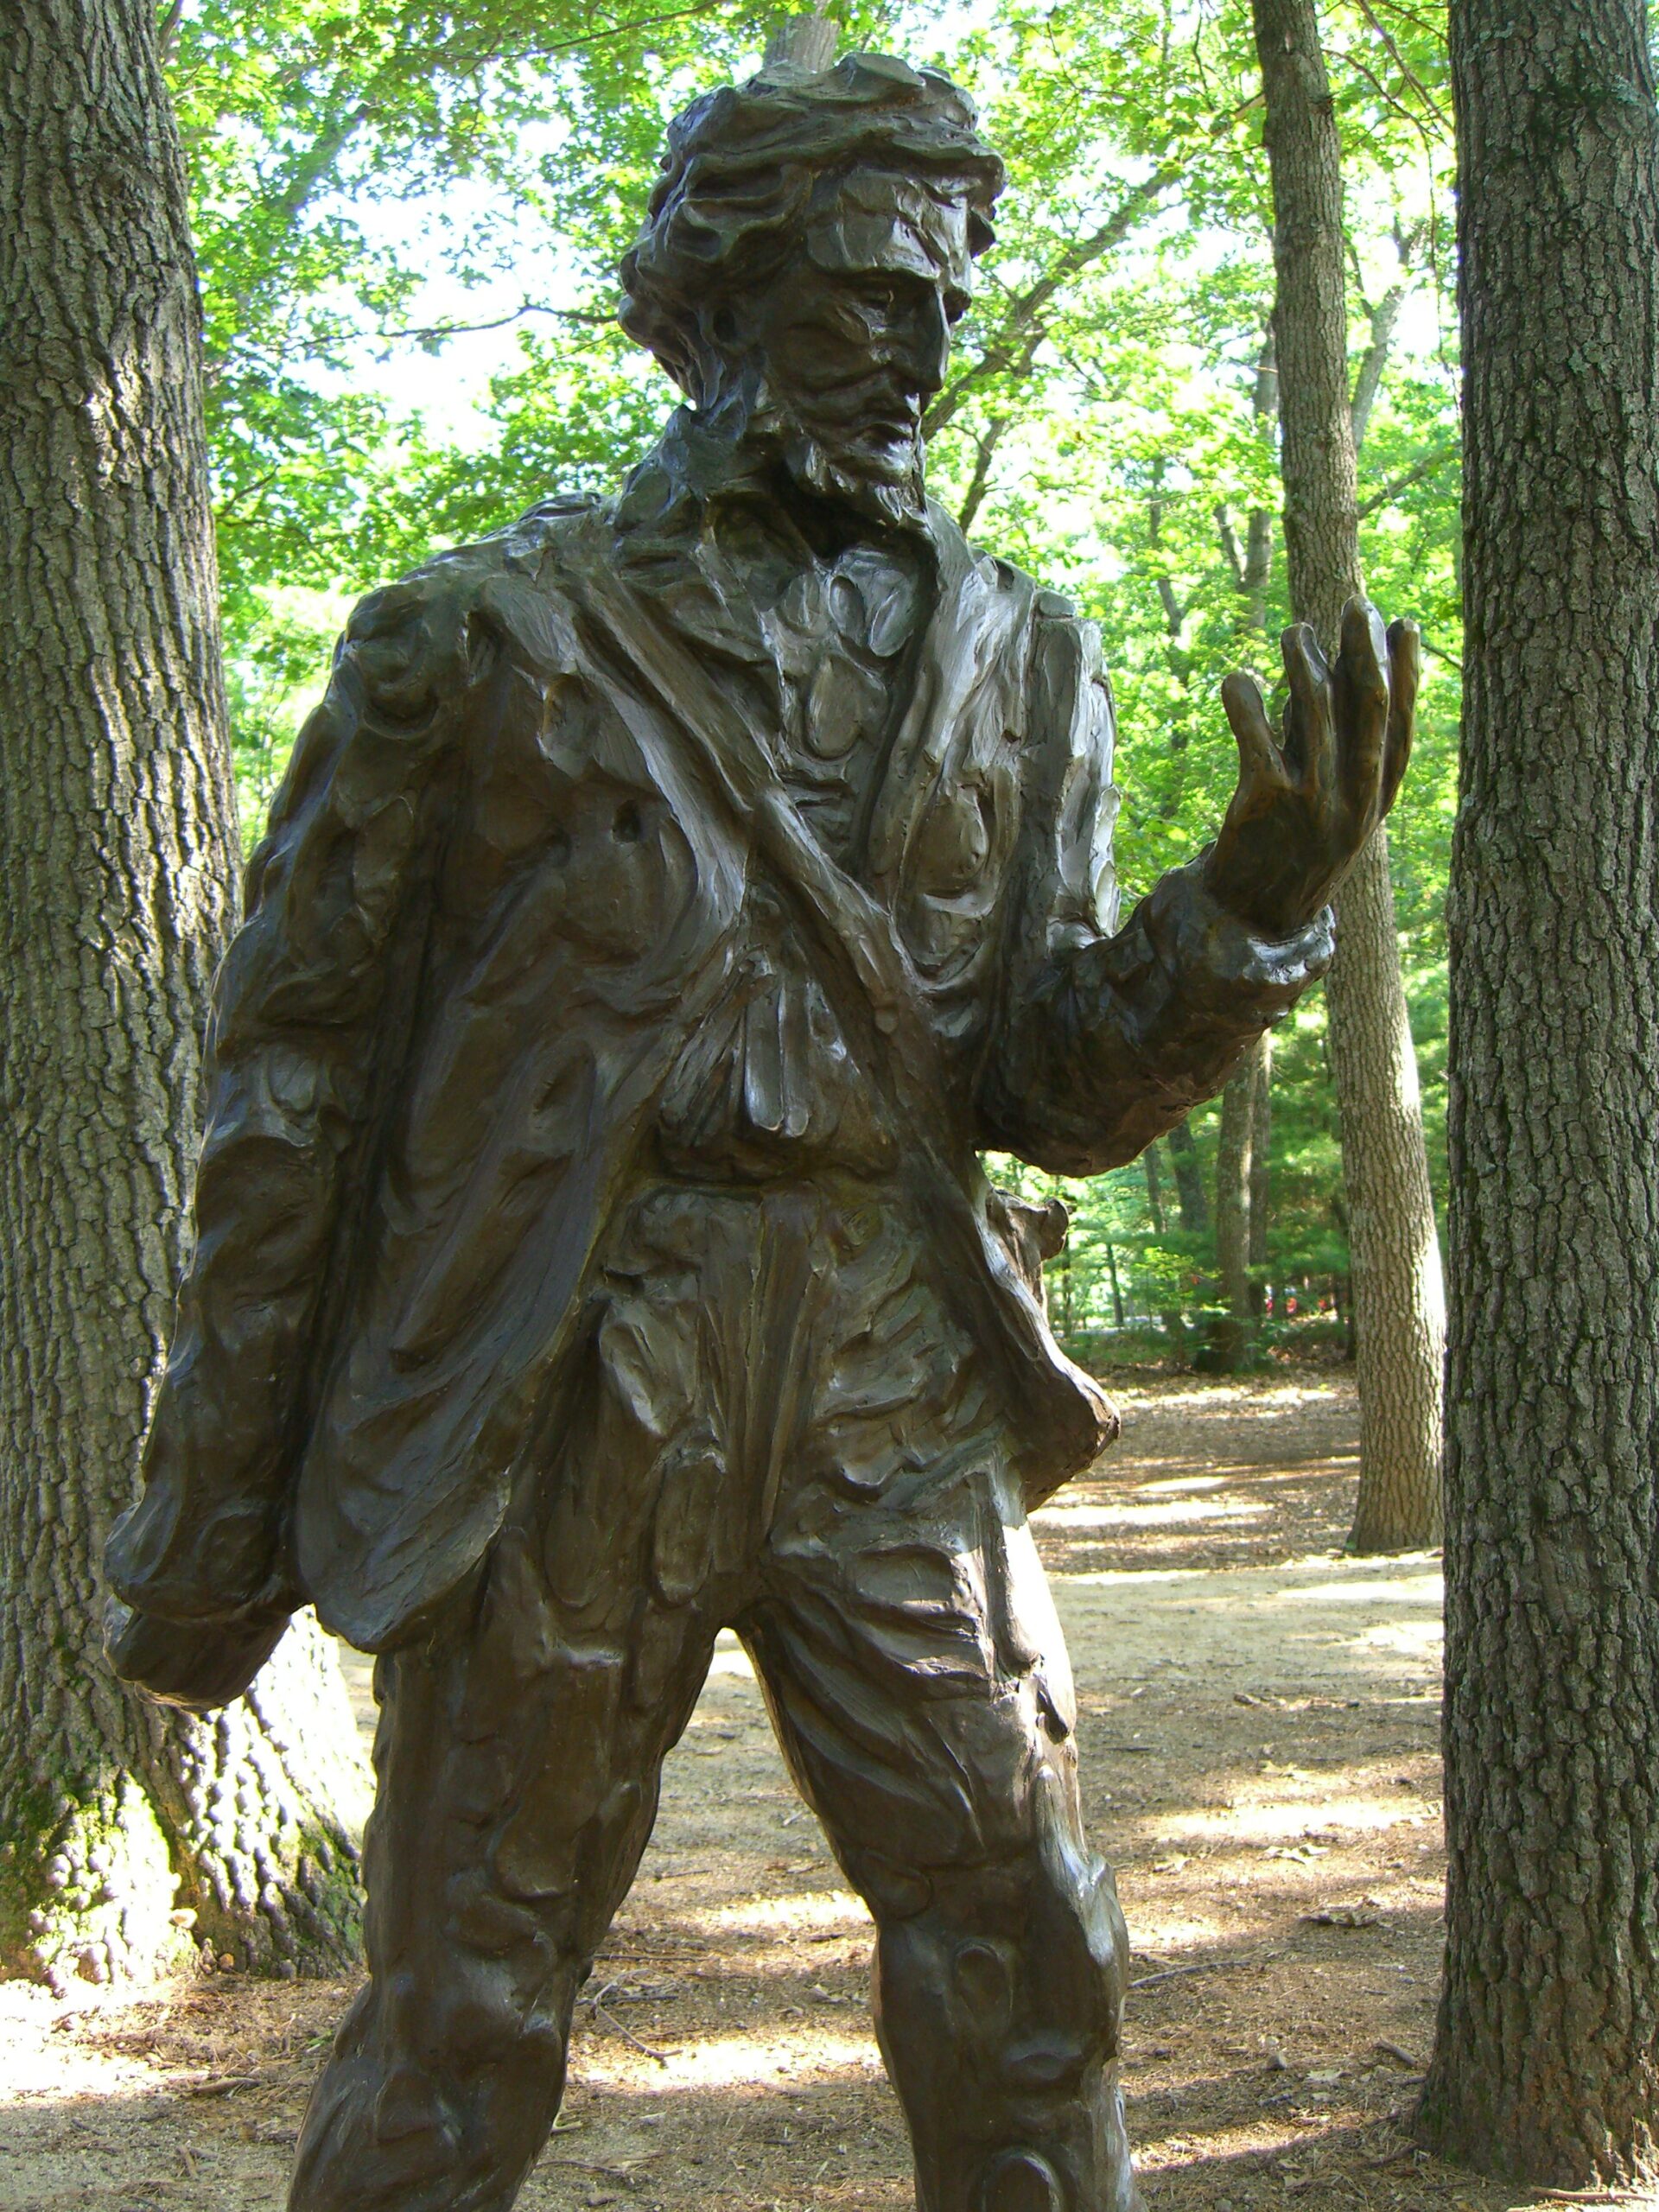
x=408, y=220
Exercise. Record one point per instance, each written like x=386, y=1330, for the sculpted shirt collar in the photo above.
x=700, y=531
x=694, y=533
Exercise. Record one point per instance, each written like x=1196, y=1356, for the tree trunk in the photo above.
x=1188, y=1180
x=1235, y=1168
x=120, y=1824
x=1398, y=1299
x=1546, y=2067
x=1261, y=1154
x=1117, y=1288
x=1399, y=1306
x=1154, y=1188
x=1251, y=564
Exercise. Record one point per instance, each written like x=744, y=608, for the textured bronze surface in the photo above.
x=669, y=900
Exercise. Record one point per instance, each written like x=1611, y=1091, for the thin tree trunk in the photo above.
x=1169, y=1317
x=1260, y=1156
x=1251, y=564
x=1398, y=1298
x=1154, y=1188
x=1383, y=315
x=1399, y=1307
x=1117, y=1288
x=120, y=1825
x=1546, y=2064
x=1188, y=1180
x=1235, y=1167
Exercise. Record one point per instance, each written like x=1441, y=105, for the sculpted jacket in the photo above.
x=534, y=887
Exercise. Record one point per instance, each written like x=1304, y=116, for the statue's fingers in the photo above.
x=1363, y=661
x=1361, y=684
x=1405, y=672
x=1247, y=715
x=1308, y=735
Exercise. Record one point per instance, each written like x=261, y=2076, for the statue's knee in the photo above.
x=447, y=2034
x=484, y=2022
x=1077, y=1957
x=411, y=2117
x=1026, y=1971
x=1022, y=2181
x=1075, y=1927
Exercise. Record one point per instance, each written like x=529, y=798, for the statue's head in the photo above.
x=808, y=249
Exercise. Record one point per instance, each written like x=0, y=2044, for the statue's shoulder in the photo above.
x=1048, y=608
x=1031, y=602
x=416, y=643
x=413, y=658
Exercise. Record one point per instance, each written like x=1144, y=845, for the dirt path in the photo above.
x=1259, y=1734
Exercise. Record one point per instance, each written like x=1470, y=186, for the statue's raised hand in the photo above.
x=1308, y=800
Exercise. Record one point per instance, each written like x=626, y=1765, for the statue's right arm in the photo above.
x=302, y=1013
x=1110, y=1031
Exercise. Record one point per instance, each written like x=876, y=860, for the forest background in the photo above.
x=408, y=220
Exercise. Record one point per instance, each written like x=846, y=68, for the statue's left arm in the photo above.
x=1108, y=1036
x=297, y=1047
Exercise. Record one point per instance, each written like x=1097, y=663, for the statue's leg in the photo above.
x=917, y=1680
x=516, y=1757
x=519, y=1749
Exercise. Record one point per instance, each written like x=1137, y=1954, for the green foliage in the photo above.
x=1109, y=424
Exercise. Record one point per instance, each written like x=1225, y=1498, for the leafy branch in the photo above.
x=1419, y=473
x=1025, y=324
x=432, y=334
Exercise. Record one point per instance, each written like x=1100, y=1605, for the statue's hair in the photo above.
x=748, y=165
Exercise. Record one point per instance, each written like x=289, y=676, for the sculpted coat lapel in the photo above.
x=497, y=898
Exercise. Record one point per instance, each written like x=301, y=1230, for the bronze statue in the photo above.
x=669, y=900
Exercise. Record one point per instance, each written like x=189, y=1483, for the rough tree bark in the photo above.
x=1546, y=2067
x=1398, y=1301
x=120, y=1827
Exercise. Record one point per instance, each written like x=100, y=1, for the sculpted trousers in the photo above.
x=776, y=1424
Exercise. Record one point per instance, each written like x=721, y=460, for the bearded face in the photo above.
x=849, y=343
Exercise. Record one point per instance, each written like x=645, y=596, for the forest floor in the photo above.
x=1259, y=1734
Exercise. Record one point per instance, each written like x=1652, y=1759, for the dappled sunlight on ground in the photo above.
x=829, y=1912
x=721, y=2062
x=1258, y=1728
x=1160, y=1513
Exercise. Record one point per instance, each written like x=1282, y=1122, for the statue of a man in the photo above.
x=670, y=900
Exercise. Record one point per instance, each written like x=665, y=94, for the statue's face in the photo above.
x=854, y=336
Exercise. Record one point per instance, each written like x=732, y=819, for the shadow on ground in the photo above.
x=1259, y=1730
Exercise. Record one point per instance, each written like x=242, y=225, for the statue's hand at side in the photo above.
x=199, y=1665
x=1308, y=800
